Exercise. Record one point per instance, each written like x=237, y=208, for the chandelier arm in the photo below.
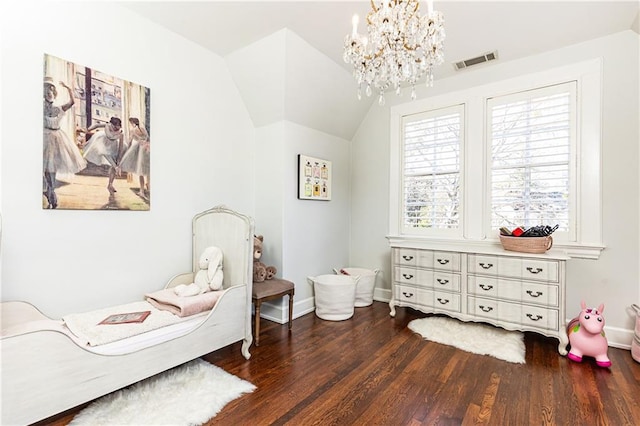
x=373, y=6
x=406, y=46
x=415, y=9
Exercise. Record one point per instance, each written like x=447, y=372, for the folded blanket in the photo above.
x=166, y=299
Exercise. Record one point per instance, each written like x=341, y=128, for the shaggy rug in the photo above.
x=477, y=338
x=189, y=394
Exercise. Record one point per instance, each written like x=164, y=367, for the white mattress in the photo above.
x=150, y=338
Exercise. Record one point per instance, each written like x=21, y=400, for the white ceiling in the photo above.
x=514, y=28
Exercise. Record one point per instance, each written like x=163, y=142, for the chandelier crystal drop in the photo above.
x=401, y=47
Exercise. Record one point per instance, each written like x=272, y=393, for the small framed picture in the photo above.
x=126, y=318
x=314, y=178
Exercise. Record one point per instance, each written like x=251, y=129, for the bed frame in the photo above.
x=44, y=372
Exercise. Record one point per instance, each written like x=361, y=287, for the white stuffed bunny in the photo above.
x=209, y=277
x=214, y=269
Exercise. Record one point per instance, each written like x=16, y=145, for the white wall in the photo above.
x=315, y=233
x=202, y=156
x=613, y=279
x=294, y=92
x=283, y=77
x=302, y=237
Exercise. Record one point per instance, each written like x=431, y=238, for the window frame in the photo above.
x=474, y=220
x=451, y=232
x=565, y=87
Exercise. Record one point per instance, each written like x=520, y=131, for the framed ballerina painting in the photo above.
x=96, y=140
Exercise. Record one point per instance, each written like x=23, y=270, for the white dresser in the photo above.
x=515, y=291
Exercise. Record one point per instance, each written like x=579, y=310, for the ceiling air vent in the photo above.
x=475, y=61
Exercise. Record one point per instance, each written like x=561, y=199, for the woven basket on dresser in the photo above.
x=527, y=244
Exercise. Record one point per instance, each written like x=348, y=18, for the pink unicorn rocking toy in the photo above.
x=586, y=336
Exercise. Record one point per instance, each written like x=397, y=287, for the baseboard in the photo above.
x=278, y=311
x=619, y=337
x=382, y=295
x=616, y=337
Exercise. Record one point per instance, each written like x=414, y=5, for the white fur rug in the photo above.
x=189, y=394
x=472, y=337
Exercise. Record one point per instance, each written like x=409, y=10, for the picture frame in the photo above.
x=102, y=124
x=314, y=178
x=125, y=318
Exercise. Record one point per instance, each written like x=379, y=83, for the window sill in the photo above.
x=566, y=251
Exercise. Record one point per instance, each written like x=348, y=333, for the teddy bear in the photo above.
x=261, y=272
x=209, y=276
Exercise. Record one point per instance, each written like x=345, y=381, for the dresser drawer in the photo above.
x=413, y=296
x=441, y=260
x=481, y=264
x=446, y=281
x=406, y=294
x=539, y=317
x=413, y=257
x=444, y=301
x=413, y=276
x=519, y=291
x=514, y=267
x=404, y=257
x=539, y=270
x=528, y=292
x=446, y=261
x=482, y=286
x=514, y=313
x=483, y=308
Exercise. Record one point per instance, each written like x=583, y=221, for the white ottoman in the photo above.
x=335, y=296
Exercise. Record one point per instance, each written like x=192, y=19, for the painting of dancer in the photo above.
x=96, y=140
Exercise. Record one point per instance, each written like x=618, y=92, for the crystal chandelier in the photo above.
x=401, y=47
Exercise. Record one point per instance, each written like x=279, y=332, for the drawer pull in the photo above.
x=443, y=261
x=486, y=265
x=537, y=317
x=407, y=276
x=530, y=293
x=485, y=287
x=485, y=308
x=407, y=258
x=407, y=295
x=443, y=301
x=537, y=270
x=442, y=281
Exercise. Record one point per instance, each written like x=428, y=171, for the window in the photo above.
x=531, y=136
x=431, y=169
x=523, y=151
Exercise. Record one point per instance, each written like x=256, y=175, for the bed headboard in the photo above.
x=233, y=233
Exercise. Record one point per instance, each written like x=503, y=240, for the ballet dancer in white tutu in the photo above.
x=105, y=147
x=136, y=159
x=60, y=154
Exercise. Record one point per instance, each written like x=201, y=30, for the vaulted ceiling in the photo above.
x=514, y=29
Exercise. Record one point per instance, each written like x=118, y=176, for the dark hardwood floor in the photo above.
x=372, y=370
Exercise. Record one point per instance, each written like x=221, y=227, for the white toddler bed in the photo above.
x=46, y=369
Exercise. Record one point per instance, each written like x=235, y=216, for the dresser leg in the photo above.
x=564, y=341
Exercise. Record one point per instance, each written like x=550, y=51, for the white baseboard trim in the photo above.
x=619, y=337
x=616, y=337
x=382, y=295
x=278, y=311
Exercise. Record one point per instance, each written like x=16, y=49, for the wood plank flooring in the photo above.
x=372, y=370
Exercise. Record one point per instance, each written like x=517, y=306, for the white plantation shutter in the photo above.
x=532, y=139
x=431, y=181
